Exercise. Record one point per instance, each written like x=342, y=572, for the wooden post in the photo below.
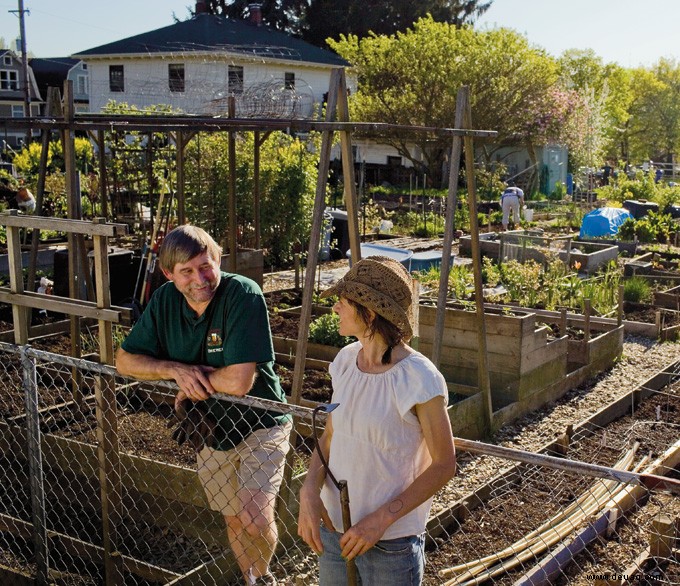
x=103, y=193
x=567, y=259
x=296, y=266
x=20, y=315
x=483, y=359
x=619, y=308
x=306, y=309
x=233, y=226
x=449, y=226
x=181, y=142
x=107, y=424
x=662, y=536
x=563, y=322
x=348, y=170
x=74, y=272
x=256, y=188
x=53, y=109
x=586, y=320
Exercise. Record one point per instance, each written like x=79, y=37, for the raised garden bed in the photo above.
x=528, y=364
x=525, y=245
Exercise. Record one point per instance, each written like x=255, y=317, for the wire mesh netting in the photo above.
x=94, y=489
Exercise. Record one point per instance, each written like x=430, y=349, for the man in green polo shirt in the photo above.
x=209, y=332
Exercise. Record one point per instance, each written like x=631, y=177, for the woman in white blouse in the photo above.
x=390, y=437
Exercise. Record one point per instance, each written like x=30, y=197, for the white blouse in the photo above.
x=378, y=445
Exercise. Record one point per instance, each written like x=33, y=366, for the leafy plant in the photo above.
x=324, y=330
x=637, y=290
x=654, y=227
x=559, y=192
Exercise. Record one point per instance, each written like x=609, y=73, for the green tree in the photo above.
x=654, y=129
x=413, y=78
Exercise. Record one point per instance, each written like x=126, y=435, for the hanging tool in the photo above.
x=152, y=251
x=341, y=485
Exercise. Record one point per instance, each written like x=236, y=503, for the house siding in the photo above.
x=206, y=82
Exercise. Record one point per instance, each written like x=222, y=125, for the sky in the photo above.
x=628, y=32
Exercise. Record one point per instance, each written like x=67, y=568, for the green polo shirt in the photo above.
x=233, y=329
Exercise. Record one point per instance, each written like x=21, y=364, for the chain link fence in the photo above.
x=94, y=490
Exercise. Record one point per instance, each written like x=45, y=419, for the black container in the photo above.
x=673, y=210
x=122, y=273
x=340, y=235
x=639, y=209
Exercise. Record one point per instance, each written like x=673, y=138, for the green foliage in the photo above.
x=9, y=180
x=287, y=187
x=642, y=188
x=324, y=330
x=413, y=77
x=654, y=227
x=637, y=290
x=626, y=230
x=27, y=160
x=531, y=284
x=490, y=184
x=559, y=192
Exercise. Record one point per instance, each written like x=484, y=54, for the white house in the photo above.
x=194, y=65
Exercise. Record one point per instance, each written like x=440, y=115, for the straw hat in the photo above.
x=381, y=284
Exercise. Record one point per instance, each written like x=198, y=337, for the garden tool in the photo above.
x=341, y=485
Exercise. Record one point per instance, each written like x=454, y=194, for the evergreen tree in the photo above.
x=317, y=20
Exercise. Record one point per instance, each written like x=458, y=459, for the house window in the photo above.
x=81, y=84
x=236, y=79
x=9, y=80
x=7, y=60
x=83, y=66
x=17, y=110
x=289, y=81
x=176, y=77
x=116, y=78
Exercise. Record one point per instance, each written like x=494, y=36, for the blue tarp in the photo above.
x=603, y=222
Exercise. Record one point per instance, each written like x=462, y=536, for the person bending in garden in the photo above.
x=209, y=332
x=390, y=437
x=511, y=201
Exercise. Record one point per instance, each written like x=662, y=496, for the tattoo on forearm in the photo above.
x=395, y=506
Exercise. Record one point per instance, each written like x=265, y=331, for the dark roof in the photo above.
x=53, y=64
x=51, y=71
x=207, y=32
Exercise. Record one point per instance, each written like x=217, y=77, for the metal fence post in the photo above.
x=30, y=384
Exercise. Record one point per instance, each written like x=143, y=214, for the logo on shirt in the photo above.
x=214, y=340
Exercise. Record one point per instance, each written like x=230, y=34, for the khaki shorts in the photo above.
x=256, y=464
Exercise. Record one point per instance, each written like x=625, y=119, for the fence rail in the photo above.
x=94, y=493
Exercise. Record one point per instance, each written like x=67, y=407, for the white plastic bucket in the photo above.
x=529, y=215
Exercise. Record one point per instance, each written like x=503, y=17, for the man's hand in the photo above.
x=196, y=424
x=193, y=381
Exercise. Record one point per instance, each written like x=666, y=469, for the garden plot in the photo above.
x=534, y=245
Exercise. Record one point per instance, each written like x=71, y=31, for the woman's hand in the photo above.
x=362, y=536
x=312, y=513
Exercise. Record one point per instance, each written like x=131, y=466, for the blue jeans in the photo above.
x=392, y=562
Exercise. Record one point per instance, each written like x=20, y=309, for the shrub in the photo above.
x=324, y=330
